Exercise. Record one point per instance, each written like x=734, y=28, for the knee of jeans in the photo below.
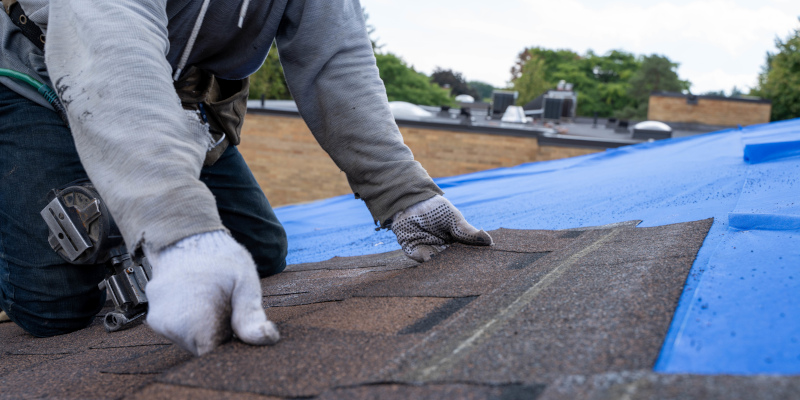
x=47, y=328
x=270, y=259
x=268, y=266
x=272, y=268
x=52, y=319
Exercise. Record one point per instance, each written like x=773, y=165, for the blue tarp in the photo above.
x=738, y=313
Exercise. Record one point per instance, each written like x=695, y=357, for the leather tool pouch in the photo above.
x=221, y=103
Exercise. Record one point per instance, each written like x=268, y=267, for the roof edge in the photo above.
x=704, y=97
x=545, y=136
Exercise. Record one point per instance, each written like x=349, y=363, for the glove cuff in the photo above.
x=194, y=247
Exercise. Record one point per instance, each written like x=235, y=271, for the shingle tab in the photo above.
x=566, y=316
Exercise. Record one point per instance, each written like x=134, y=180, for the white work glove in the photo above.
x=426, y=228
x=202, y=287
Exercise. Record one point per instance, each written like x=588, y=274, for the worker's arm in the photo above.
x=144, y=153
x=330, y=69
x=331, y=72
x=140, y=148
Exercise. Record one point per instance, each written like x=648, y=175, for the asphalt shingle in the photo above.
x=543, y=314
x=305, y=363
x=644, y=384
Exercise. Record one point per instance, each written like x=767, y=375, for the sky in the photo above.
x=718, y=43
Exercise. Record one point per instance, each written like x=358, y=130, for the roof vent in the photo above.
x=514, y=114
x=465, y=98
x=652, y=130
x=405, y=110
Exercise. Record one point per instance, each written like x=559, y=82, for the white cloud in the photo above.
x=716, y=23
x=719, y=41
x=718, y=79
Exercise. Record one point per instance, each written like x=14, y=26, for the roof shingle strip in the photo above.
x=83, y=375
x=644, y=385
x=586, y=293
x=562, y=313
x=13, y=340
x=592, y=304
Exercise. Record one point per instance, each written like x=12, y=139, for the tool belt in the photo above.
x=28, y=28
x=221, y=103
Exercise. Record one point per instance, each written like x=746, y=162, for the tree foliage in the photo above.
x=403, y=83
x=656, y=74
x=606, y=84
x=531, y=81
x=269, y=80
x=735, y=92
x=779, y=80
x=552, y=58
x=447, y=78
x=717, y=93
x=484, y=89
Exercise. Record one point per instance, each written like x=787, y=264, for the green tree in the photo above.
x=484, y=89
x=447, y=78
x=269, y=80
x=779, y=80
x=531, y=80
x=601, y=81
x=736, y=92
x=718, y=93
x=656, y=74
x=552, y=60
x=404, y=84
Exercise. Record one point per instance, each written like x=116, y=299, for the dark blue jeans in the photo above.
x=38, y=290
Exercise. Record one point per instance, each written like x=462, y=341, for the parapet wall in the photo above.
x=292, y=168
x=708, y=110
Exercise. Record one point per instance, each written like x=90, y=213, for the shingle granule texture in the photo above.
x=569, y=314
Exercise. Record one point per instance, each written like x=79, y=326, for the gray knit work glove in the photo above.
x=204, y=289
x=426, y=228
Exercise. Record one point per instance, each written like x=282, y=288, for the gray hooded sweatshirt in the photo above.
x=113, y=64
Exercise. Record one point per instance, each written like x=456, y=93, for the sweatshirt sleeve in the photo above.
x=331, y=72
x=142, y=151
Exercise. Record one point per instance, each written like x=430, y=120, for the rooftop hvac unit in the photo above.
x=553, y=108
x=501, y=100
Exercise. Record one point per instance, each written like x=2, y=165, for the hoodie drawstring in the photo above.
x=195, y=31
x=243, y=12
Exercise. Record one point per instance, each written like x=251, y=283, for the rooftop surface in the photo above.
x=580, y=131
x=577, y=299
x=737, y=313
x=541, y=315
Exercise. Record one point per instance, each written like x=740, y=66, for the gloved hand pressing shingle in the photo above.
x=426, y=228
x=202, y=287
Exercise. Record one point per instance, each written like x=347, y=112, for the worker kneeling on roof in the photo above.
x=155, y=92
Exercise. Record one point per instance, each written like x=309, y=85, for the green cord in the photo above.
x=46, y=91
x=21, y=77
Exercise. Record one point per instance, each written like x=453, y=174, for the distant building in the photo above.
x=292, y=168
x=708, y=110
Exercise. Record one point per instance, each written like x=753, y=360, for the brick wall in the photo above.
x=292, y=168
x=709, y=111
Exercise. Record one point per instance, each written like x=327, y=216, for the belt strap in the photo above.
x=7, y=5
x=28, y=28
